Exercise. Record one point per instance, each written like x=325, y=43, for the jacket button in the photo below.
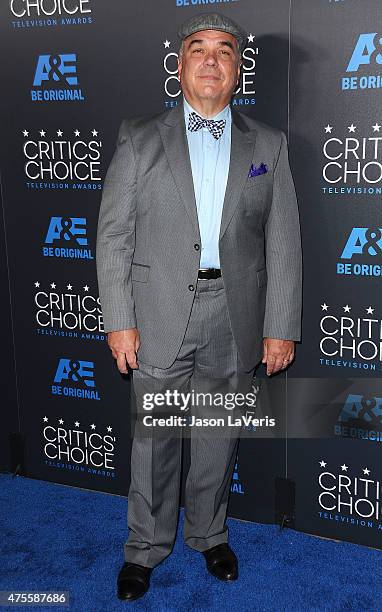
x=191, y=287
x=196, y=247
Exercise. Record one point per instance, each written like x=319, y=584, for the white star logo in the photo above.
x=251, y=37
x=53, y=285
x=37, y=284
x=376, y=127
x=42, y=133
x=61, y=421
x=76, y=132
x=86, y=288
x=94, y=132
x=370, y=310
x=70, y=287
x=45, y=419
x=110, y=428
x=344, y=468
x=346, y=308
x=166, y=44
x=92, y=426
x=59, y=132
x=352, y=128
x=328, y=129
x=324, y=306
x=366, y=471
x=77, y=424
x=25, y=133
x=322, y=463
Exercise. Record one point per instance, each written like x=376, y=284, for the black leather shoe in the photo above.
x=222, y=562
x=133, y=581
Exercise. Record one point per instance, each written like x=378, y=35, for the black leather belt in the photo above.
x=206, y=273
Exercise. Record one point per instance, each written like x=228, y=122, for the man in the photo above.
x=199, y=270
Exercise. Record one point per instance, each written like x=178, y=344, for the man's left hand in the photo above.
x=278, y=354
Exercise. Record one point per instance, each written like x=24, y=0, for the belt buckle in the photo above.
x=213, y=275
x=202, y=270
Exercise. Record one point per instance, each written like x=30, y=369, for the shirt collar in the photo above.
x=225, y=113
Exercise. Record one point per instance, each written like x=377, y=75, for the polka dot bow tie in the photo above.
x=195, y=122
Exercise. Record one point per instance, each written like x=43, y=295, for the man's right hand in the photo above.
x=124, y=346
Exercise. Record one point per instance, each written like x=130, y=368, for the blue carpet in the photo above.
x=58, y=537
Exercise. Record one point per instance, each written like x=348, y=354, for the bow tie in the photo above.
x=216, y=128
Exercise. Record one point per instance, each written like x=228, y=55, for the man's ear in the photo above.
x=238, y=72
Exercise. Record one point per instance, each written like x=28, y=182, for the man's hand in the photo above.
x=124, y=346
x=278, y=354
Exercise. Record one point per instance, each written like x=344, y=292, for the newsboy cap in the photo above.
x=213, y=21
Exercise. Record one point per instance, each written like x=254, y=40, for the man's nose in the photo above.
x=210, y=58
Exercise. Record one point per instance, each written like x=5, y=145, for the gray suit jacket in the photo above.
x=147, y=258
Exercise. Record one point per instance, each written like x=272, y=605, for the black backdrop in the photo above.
x=312, y=69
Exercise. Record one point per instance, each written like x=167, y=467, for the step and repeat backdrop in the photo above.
x=312, y=68
x=8, y=387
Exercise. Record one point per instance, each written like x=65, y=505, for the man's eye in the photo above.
x=196, y=50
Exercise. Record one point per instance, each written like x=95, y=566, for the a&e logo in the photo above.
x=367, y=52
x=66, y=237
x=56, y=78
x=360, y=408
x=360, y=417
x=363, y=243
x=75, y=378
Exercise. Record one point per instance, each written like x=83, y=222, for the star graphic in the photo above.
x=77, y=424
x=366, y=471
x=376, y=127
x=352, y=128
x=45, y=419
x=322, y=463
x=86, y=288
x=166, y=44
x=92, y=426
x=25, y=133
x=61, y=421
x=324, y=306
x=59, y=132
x=251, y=37
x=344, y=468
x=328, y=129
x=69, y=286
x=53, y=285
x=94, y=132
x=109, y=428
x=370, y=310
x=76, y=132
x=42, y=133
x=346, y=308
x=37, y=284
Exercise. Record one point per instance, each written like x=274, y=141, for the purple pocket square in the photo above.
x=253, y=171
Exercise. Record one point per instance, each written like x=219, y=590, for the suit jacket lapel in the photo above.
x=174, y=137
x=242, y=148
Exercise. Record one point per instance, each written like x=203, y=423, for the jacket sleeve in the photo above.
x=283, y=255
x=116, y=236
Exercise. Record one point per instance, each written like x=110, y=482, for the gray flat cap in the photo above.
x=213, y=21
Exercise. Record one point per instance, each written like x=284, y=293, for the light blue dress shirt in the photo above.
x=210, y=165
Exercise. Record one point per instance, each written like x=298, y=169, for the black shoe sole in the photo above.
x=224, y=579
x=123, y=598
